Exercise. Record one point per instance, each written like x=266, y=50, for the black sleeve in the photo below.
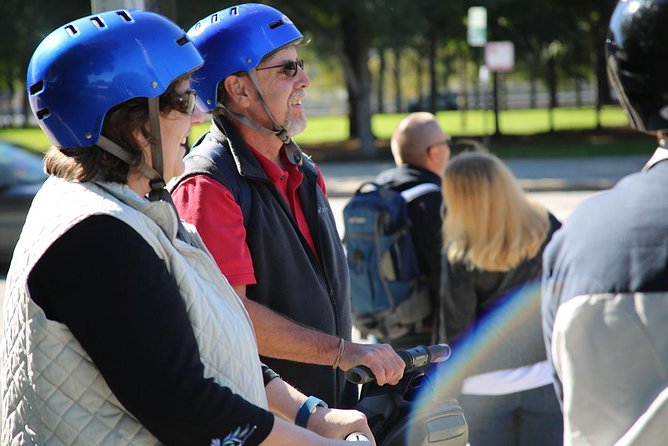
x=458, y=299
x=113, y=292
x=426, y=220
x=268, y=374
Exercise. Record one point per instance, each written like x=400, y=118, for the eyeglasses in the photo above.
x=447, y=142
x=289, y=67
x=182, y=102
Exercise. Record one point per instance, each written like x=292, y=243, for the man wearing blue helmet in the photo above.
x=118, y=326
x=261, y=205
x=605, y=273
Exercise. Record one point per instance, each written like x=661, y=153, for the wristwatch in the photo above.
x=307, y=408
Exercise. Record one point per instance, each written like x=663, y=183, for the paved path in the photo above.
x=542, y=177
x=565, y=174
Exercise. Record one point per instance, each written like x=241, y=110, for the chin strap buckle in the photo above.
x=293, y=150
x=157, y=184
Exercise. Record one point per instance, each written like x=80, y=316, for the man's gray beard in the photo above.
x=295, y=125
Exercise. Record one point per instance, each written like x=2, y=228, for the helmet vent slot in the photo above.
x=36, y=87
x=182, y=40
x=124, y=15
x=234, y=11
x=43, y=113
x=98, y=22
x=276, y=24
x=71, y=30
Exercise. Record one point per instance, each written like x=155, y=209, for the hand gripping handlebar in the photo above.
x=415, y=358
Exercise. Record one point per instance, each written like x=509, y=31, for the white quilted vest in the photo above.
x=51, y=391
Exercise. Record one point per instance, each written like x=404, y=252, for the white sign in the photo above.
x=500, y=56
x=112, y=5
x=477, y=26
x=483, y=74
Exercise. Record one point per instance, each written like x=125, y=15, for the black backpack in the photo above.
x=389, y=295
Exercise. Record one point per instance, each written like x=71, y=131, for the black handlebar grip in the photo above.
x=360, y=375
x=414, y=358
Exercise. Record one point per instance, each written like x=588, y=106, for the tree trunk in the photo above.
x=433, y=83
x=10, y=75
x=166, y=8
x=25, y=107
x=533, y=81
x=495, y=80
x=480, y=90
x=397, y=81
x=602, y=85
x=419, y=72
x=464, y=82
x=381, y=81
x=352, y=112
x=356, y=42
x=578, y=91
x=552, y=87
x=463, y=97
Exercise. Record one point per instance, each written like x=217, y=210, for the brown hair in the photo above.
x=490, y=224
x=120, y=125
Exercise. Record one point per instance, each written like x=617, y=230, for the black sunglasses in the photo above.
x=289, y=67
x=447, y=141
x=183, y=102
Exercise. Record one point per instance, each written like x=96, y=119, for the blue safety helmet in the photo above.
x=234, y=40
x=83, y=69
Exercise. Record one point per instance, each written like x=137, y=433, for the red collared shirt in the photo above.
x=211, y=207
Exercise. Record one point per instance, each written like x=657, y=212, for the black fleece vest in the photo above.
x=290, y=279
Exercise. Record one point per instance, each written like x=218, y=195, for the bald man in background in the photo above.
x=421, y=150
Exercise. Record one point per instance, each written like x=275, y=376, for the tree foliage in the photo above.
x=554, y=40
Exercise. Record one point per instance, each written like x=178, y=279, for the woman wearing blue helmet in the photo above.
x=118, y=326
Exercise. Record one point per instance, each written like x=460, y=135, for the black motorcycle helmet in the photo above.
x=637, y=49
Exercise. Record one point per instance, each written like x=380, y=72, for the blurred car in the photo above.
x=444, y=101
x=21, y=176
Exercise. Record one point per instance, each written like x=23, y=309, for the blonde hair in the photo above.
x=489, y=224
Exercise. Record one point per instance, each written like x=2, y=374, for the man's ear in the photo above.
x=237, y=91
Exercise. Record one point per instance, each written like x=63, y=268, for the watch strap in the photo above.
x=306, y=409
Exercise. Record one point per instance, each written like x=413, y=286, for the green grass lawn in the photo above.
x=519, y=123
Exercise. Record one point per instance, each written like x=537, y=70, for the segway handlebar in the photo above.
x=415, y=358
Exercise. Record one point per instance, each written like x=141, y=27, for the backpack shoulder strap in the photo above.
x=369, y=185
x=419, y=190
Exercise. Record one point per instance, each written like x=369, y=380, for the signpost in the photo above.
x=476, y=37
x=477, y=26
x=500, y=56
x=111, y=5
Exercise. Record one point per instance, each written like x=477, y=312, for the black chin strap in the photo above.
x=119, y=152
x=292, y=150
x=156, y=180
x=157, y=183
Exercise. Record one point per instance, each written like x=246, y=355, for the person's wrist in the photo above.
x=339, y=354
x=307, y=408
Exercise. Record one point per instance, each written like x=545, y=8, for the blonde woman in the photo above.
x=493, y=243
